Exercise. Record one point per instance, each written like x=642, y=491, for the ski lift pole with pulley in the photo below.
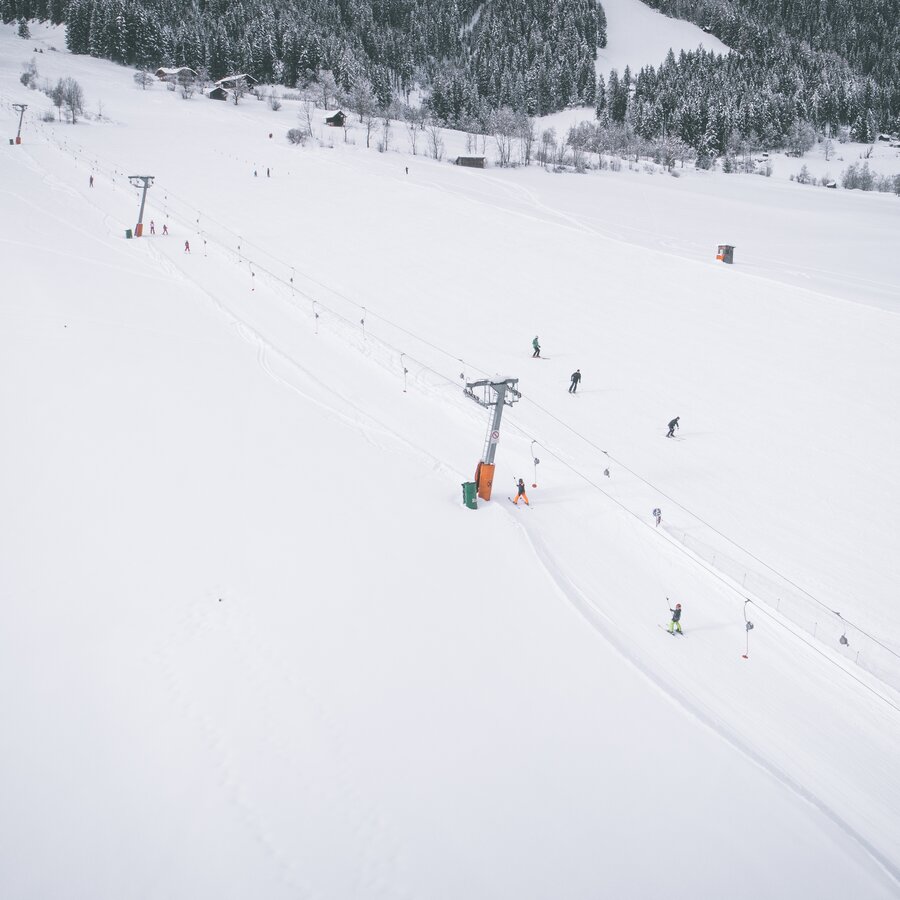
x=495, y=394
x=537, y=462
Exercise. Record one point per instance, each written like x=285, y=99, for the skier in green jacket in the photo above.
x=676, y=619
x=537, y=348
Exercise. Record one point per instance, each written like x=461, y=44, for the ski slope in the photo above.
x=253, y=645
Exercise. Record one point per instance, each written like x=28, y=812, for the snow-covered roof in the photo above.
x=164, y=72
x=229, y=80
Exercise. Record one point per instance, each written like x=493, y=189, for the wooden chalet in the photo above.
x=473, y=162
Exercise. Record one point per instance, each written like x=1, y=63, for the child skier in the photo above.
x=672, y=426
x=676, y=619
x=520, y=492
x=576, y=377
x=537, y=348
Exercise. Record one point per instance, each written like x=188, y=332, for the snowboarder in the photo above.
x=187, y=247
x=672, y=426
x=657, y=514
x=165, y=228
x=676, y=619
x=537, y=348
x=520, y=492
x=576, y=377
x=152, y=227
x=91, y=181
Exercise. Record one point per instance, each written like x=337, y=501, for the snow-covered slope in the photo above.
x=253, y=644
x=639, y=36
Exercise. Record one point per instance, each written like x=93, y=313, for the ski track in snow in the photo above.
x=606, y=628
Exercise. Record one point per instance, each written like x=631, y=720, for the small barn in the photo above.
x=473, y=162
x=183, y=72
x=217, y=93
x=335, y=119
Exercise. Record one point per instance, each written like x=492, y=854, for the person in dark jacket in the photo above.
x=672, y=426
x=676, y=619
x=537, y=347
x=576, y=377
x=520, y=493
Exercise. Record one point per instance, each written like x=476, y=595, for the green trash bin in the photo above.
x=470, y=494
x=129, y=233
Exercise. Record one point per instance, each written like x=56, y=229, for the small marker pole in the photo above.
x=405, y=371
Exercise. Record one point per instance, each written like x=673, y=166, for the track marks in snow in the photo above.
x=299, y=801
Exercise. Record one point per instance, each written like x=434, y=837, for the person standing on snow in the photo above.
x=672, y=426
x=520, y=492
x=576, y=377
x=152, y=227
x=657, y=514
x=91, y=181
x=187, y=247
x=537, y=348
x=676, y=619
x=165, y=228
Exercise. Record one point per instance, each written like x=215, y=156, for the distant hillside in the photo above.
x=841, y=58
x=529, y=54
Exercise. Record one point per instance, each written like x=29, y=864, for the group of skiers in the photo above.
x=575, y=378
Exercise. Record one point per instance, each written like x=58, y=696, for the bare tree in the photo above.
x=435, y=139
x=525, y=131
x=144, y=78
x=370, y=122
x=384, y=117
x=29, y=76
x=363, y=99
x=579, y=139
x=503, y=127
x=307, y=111
x=414, y=122
x=239, y=89
x=67, y=93
x=328, y=86
x=274, y=101
x=548, y=146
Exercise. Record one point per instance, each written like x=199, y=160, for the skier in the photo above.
x=672, y=426
x=676, y=619
x=520, y=489
x=165, y=228
x=606, y=472
x=91, y=181
x=537, y=348
x=152, y=227
x=576, y=377
x=268, y=172
x=657, y=514
x=187, y=247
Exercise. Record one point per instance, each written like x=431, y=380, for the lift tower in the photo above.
x=497, y=394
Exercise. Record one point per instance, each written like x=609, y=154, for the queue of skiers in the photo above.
x=574, y=381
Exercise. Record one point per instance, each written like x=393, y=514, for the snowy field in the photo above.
x=254, y=646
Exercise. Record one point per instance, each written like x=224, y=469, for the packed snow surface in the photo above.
x=253, y=645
